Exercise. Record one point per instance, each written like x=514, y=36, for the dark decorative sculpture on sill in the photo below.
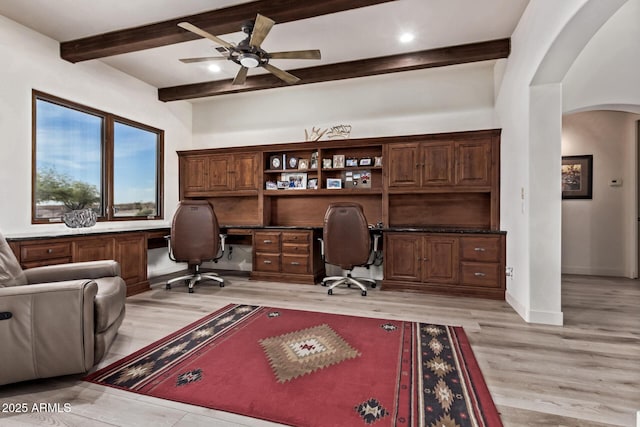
x=80, y=218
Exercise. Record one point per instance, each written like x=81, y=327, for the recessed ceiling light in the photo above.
x=214, y=68
x=407, y=37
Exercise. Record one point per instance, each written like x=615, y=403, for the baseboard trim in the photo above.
x=593, y=271
x=554, y=318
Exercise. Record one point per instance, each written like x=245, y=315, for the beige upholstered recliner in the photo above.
x=56, y=320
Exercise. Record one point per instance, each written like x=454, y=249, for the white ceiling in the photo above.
x=360, y=33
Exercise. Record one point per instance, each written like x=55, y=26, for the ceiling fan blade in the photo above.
x=203, y=59
x=261, y=28
x=296, y=54
x=241, y=77
x=281, y=74
x=190, y=27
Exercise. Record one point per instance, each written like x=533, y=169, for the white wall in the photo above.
x=598, y=235
x=31, y=61
x=423, y=101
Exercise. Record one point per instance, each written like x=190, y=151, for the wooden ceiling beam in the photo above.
x=430, y=58
x=221, y=21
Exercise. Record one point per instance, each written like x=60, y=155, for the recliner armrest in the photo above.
x=73, y=271
x=50, y=331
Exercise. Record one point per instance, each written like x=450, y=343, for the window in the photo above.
x=85, y=158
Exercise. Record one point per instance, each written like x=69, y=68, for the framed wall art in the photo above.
x=577, y=177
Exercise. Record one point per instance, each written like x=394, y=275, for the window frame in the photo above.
x=107, y=159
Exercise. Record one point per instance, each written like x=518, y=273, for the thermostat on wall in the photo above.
x=615, y=182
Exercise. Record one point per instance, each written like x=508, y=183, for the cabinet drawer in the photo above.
x=292, y=237
x=267, y=262
x=45, y=251
x=486, y=275
x=481, y=249
x=295, y=264
x=266, y=241
x=295, y=248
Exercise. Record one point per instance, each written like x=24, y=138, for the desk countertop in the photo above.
x=74, y=232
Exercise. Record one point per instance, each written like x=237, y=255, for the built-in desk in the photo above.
x=128, y=247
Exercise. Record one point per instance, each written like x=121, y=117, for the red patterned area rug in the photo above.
x=305, y=368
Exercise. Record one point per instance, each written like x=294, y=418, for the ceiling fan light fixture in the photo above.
x=249, y=60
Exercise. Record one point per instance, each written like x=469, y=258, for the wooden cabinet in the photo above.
x=129, y=249
x=440, y=164
x=292, y=255
x=210, y=174
x=418, y=257
x=464, y=264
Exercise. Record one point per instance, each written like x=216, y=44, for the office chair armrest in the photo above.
x=321, y=247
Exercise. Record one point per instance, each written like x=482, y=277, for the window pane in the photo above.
x=135, y=157
x=68, y=160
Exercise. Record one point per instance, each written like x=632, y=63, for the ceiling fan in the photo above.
x=248, y=53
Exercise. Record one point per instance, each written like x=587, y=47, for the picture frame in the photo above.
x=577, y=177
x=275, y=162
x=314, y=160
x=333, y=183
x=271, y=185
x=351, y=162
x=365, y=161
x=327, y=163
x=312, y=184
x=294, y=180
x=282, y=185
x=303, y=164
x=292, y=162
x=377, y=161
x=338, y=161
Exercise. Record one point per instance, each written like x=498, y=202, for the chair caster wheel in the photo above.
x=167, y=286
x=222, y=285
x=364, y=293
x=330, y=292
x=348, y=285
x=323, y=284
x=190, y=290
x=373, y=285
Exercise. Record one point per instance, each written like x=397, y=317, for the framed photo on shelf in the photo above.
x=312, y=184
x=314, y=160
x=377, y=162
x=327, y=163
x=366, y=161
x=577, y=177
x=351, y=162
x=275, y=161
x=271, y=185
x=282, y=185
x=303, y=164
x=295, y=181
x=292, y=162
x=338, y=160
x=334, y=183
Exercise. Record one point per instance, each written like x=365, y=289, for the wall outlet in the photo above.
x=509, y=272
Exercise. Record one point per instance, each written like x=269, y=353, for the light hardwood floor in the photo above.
x=586, y=373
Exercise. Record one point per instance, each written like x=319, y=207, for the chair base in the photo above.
x=336, y=281
x=195, y=277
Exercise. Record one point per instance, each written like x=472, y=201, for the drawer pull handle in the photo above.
x=267, y=241
x=479, y=274
x=267, y=261
x=295, y=263
x=479, y=249
x=49, y=251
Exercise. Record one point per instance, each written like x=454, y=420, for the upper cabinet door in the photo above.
x=246, y=167
x=437, y=161
x=473, y=163
x=403, y=165
x=219, y=173
x=194, y=174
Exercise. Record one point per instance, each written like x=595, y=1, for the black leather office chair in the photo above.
x=347, y=242
x=195, y=238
